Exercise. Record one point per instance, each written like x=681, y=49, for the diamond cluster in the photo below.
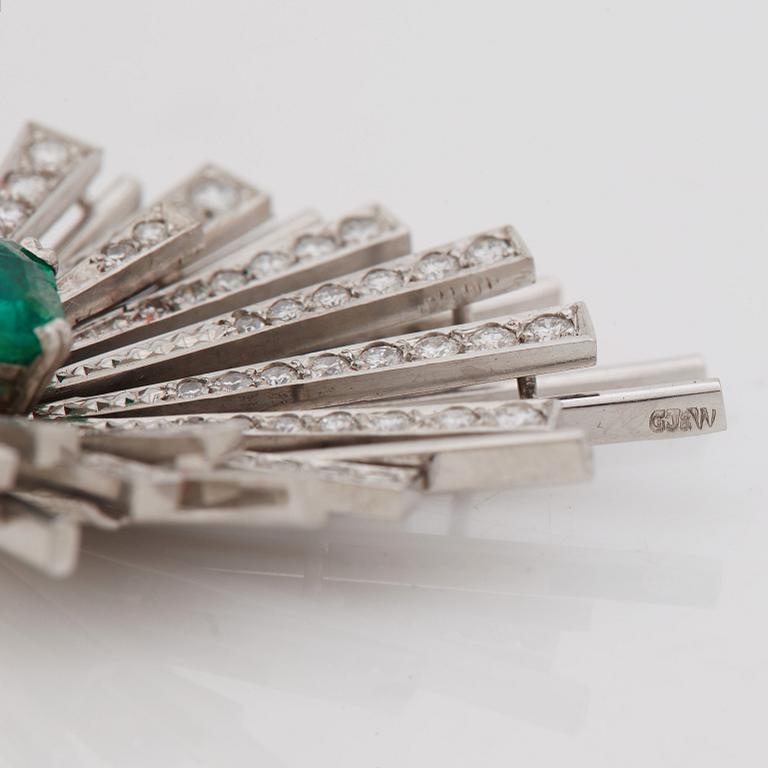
x=414, y=348
x=351, y=232
x=44, y=160
x=380, y=281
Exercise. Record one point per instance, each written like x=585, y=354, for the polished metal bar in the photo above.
x=653, y=412
x=44, y=173
x=581, y=381
x=101, y=216
x=479, y=461
x=530, y=343
x=257, y=272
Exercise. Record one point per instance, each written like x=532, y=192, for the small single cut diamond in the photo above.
x=279, y=373
x=188, y=388
x=30, y=188
x=286, y=422
x=48, y=155
x=490, y=337
x=390, y=421
x=380, y=356
x=227, y=280
x=338, y=421
x=328, y=365
x=284, y=310
x=248, y=322
x=360, y=229
x=330, y=296
x=488, y=250
x=435, y=266
x=12, y=215
x=548, y=328
x=213, y=197
x=314, y=246
x=190, y=294
x=379, y=281
x=150, y=232
x=435, y=345
x=232, y=381
x=116, y=253
x=457, y=418
x=518, y=416
x=269, y=263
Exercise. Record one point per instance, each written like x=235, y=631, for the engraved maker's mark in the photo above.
x=681, y=419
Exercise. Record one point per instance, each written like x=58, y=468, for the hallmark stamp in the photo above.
x=681, y=419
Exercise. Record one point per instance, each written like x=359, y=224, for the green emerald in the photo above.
x=28, y=299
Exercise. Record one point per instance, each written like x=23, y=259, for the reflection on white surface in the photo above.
x=175, y=647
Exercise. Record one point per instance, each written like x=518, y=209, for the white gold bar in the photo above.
x=530, y=343
x=349, y=309
x=452, y=464
x=647, y=413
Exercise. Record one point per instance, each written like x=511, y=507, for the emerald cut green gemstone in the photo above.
x=28, y=299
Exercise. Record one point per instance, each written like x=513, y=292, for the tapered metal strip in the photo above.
x=287, y=430
x=450, y=464
x=44, y=541
x=529, y=343
x=155, y=243
x=581, y=381
x=40, y=444
x=647, y=413
x=260, y=271
x=43, y=174
x=353, y=308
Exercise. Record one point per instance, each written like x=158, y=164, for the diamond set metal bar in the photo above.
x=43, y=174
x=527, y=344
x=289, y=430
x=349, y=309
x=258, y=272
x=154, y=244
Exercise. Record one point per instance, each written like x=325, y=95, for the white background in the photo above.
x=618, y=623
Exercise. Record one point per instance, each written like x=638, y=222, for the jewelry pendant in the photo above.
x=194, y=361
